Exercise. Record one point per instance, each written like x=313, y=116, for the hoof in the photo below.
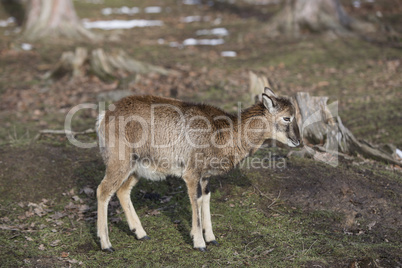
x=108, y=250
x=202, y=249
x=213, y=242
x=145, y=238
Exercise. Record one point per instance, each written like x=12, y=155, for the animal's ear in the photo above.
x=269, y=102
x=269, y=92
x=257, y=98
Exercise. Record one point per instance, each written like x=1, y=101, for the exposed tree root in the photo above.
x=105, y=65
x=316, y=16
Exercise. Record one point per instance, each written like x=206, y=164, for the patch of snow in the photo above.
x=190, y=19
x=205, y=42
x=264, y=2
x=192, y=2
x=356, y=4
x=26, y=46
x=5, y=23
x=120, y=24
x=196, y=42
x=107, y=11
x=153, y=10
x=217, y=21
x=215, y=31
x=174, y=44
x=94, y=1
x=399, y=153
x=228, y=54
x=120, y=10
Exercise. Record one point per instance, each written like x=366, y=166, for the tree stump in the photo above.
x=324, y=136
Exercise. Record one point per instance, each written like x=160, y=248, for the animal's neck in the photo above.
x=249, y=131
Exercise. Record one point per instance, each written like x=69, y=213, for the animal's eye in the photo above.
x=287, y=119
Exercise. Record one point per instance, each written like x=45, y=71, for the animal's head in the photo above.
x=283, y=117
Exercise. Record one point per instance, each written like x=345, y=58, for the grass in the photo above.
x=247, y=237
x=257, y=228
x=252, y=229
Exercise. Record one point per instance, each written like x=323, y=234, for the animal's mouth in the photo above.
x=293, y=143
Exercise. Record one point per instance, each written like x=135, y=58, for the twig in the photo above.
x=64, y=132
x=72, y=223
x=179, y=192
x=304, y=251
x=276, y=199
x=262, y=194
x=219, y=215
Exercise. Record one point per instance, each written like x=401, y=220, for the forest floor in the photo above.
x=297, y=212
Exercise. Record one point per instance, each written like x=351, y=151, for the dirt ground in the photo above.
x=303, y=214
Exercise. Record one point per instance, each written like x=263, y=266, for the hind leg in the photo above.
x=206, y=213
x=132, y=218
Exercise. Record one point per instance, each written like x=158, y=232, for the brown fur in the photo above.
x=194, y=137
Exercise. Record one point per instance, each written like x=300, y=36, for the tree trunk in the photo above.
x=54, y=18
x=299, y=16
x=14, y=8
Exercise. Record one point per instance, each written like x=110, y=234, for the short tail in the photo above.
x=100, y=131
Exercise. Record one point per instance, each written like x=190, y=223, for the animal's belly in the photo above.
x=153, y=173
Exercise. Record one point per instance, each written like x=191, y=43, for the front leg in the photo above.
x=195, y=195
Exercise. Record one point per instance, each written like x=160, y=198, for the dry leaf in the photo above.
x=165, y=199
x=323, y=84
x=65, y=254
x=115, y=219
x=154, y=212
x=71, y=206
x=88, y=191
x=58, y=215
x=6, y=227
x=83, y=208
x=73, y=261
x=39, y=211
x=55, y=243
x=5, y=219
x=41, y=247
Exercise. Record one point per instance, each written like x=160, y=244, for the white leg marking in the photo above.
x=197, y=228
x=103, y=232
x=206, y=218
